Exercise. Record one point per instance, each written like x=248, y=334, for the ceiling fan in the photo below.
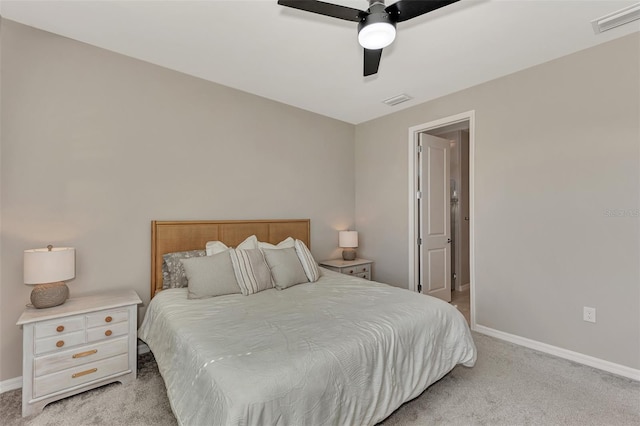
x=376, y=25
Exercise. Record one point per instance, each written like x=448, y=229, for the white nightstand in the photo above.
x=85, y=343
x=358, y=268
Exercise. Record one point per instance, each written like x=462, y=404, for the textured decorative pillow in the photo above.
x=215, y=247
x=173, y=274
x=210, y=276
x=251, y=270
x=286, y=269
x=286, y=243
x=309, y=264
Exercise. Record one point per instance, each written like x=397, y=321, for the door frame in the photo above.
x=414, y=260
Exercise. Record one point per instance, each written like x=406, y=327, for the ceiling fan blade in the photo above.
x=327, y=9
x=371, y=61
x=406, y=9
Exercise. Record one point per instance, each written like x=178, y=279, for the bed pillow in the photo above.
x=286, y=269
x=309, y=264
x=249, y=243
x=215, y=247
x=251, y=270
x=173, y=274
x=210, y=276
x=286, y=243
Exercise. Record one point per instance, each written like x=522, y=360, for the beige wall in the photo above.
x=557, y=148
x=95, y=145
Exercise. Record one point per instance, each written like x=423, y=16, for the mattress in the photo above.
x=339, y=351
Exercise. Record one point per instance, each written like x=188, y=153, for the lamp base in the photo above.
x=49, y=295
x=349, y=254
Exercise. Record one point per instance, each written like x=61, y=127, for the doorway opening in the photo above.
x=441, y=258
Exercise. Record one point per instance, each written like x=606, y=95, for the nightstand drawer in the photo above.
x=365, y=275
x=59, y=343
x=69, y=359
x=107, y=331
x=356, y=270
x=107, y=317
x=71, y=377
x=57, y=327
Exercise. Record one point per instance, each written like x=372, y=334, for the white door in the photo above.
x=434, y=218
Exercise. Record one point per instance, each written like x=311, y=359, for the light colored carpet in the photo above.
x=510, y=385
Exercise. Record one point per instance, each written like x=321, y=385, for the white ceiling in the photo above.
x=314, y=62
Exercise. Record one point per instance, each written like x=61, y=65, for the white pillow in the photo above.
x=286, y=243
x=249, y=243
x=215, y=247
x=308, y=262
x=251, y=270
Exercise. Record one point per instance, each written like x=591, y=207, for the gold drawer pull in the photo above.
x=87, y=353
x=108, y=333
x=108, y=319
x=60, y=328
x=60, y=343
x=83, y=373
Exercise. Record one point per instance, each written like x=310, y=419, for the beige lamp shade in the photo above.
x=348, y=239
x=48, y=266
x=47, y=269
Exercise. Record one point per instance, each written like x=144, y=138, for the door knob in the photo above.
x=449, y=240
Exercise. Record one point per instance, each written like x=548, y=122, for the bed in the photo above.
x=338, y=351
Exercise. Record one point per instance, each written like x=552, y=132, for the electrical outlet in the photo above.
x=589, y=314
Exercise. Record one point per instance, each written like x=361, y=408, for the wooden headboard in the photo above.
x=172, y=236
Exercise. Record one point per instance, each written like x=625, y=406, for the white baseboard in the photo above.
x=598, y=363
x=464, y=287
x=10, y=384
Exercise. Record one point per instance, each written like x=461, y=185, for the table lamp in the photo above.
x=348, y=240
x=48, y=268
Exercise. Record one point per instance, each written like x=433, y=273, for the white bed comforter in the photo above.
x=341, y=351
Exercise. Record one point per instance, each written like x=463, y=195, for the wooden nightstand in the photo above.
x=85, y=343
x=358, y=268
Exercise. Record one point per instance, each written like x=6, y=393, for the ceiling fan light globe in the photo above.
x=376, y=35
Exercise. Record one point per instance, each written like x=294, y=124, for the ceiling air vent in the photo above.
x=397, y=99
x=615, y=19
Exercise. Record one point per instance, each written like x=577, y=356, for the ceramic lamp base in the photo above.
x=49, y=295
x=349, y=254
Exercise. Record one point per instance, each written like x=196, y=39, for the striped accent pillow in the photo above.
x=308, y=262
x=251, y=270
